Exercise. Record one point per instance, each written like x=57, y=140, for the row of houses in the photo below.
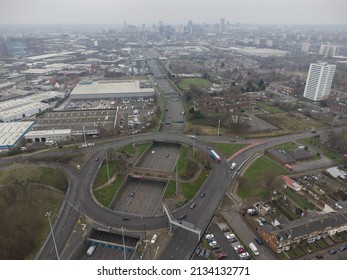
x=307, y=229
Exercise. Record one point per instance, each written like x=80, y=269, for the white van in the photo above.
x=91, y=250
x=254, y=249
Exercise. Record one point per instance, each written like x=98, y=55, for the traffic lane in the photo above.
x=181, y=245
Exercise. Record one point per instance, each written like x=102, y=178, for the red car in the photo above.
x=221, y=256
x=241, y=250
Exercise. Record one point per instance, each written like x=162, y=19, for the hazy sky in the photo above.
x=173, y=11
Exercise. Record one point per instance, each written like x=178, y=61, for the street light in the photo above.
x=125, y=258
x=48, y=214
x=108, y=172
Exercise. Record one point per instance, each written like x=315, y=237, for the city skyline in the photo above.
x=299, y=12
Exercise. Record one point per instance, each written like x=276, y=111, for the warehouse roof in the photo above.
x=106, y=87
x=11, y=133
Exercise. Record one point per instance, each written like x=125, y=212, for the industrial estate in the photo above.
x=173, y=142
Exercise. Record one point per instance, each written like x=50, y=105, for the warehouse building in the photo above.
x=53, y=135
x=11, y=133
x=111, y=89
x=17, y=109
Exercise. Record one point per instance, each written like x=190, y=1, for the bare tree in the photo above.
x=21, y=175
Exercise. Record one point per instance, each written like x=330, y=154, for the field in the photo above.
x=185, y=84
x=106, y=194
x=291, y=124
x=270, y=109
x=251, y=183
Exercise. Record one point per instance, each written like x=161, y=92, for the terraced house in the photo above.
x=310, y=229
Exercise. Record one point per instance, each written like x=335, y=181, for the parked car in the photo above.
x=332, y=252
x=207, y=254
x=209, y=236
x=258, y=240
x=343, y=248
x=222, y=256
x=319, y=257
x=192, y=205
x=245, y=256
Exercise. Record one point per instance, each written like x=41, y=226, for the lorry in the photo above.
x=215, y=156
x=254, y=249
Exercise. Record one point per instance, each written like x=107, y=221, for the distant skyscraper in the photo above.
x=305, y=47
x=319, y=80
x=222, y=25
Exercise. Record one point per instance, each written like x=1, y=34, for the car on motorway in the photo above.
x=192, y=205
x=154, y=239
x=183, y=216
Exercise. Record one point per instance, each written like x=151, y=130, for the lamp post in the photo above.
x=108, y=172
x=125, y=257
x=48, y=214
x=194, y=138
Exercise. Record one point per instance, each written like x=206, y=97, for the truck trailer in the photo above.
x=215, y=156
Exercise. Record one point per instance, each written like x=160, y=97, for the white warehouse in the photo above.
x=111, y=89
x=56, y=135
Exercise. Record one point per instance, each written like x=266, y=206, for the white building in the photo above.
x=319, y=80
x=110, y=89
x=305, y=47
x=55, y=135
x=329, y=50
x=11, y=133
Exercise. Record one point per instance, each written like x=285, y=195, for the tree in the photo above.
x=21, y=175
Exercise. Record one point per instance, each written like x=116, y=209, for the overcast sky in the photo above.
x=172, y=11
